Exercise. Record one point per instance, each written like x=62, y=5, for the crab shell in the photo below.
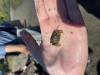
x=55, y=37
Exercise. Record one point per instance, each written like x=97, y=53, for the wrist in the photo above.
x=17, y=48
x=12, y=48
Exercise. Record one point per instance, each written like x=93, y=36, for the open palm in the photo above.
x=68, y=55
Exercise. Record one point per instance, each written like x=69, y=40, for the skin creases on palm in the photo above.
x=70, y=55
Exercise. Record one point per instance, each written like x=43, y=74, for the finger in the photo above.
x=32, y=46
x=51, y=7
x=73, y=11
x=40, y=9
x=26, y=38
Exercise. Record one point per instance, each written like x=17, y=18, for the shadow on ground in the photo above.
x=98, y=68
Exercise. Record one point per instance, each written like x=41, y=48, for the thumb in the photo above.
x=32, y=46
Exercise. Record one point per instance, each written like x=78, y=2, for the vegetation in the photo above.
x=4, y=10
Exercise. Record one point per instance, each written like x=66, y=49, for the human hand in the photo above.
x=67, y=56
x=17, y=48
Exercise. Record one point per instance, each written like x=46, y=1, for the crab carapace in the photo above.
x=55, y=37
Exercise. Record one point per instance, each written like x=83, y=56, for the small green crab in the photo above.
x=55, y=37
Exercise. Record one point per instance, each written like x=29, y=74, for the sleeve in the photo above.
x=2, y=52
x=5, y=37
